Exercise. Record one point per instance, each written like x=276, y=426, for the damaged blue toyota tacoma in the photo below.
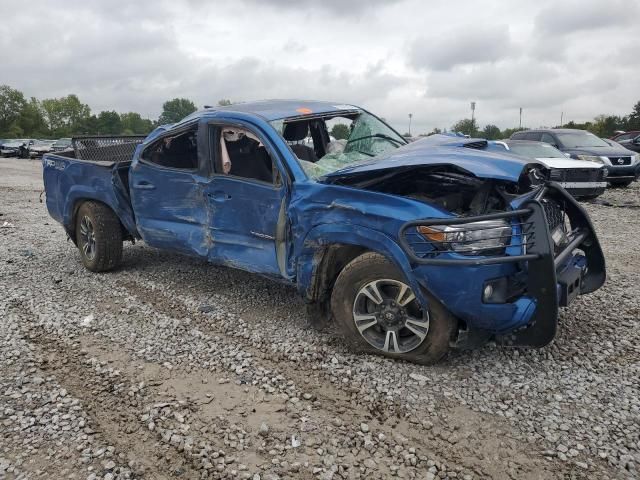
x=411, y=249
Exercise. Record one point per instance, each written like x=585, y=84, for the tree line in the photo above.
x=602, y=126
x=68, y=116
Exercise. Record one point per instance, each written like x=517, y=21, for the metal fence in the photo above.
x=114, y=149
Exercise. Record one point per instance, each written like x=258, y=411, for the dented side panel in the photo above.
x=244, y=220
x=323, y=215
x=171, y=210
x=69, y=182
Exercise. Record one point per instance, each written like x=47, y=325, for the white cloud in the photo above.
x=394, y=58
x=572, y=16
x=461, y=47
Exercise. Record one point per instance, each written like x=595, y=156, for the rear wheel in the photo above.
x=379, y=313
x=99, y=237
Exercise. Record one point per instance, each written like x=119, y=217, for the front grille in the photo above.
x=556, y=174
x=577, y=175
x=584, y=175
x=620, y=160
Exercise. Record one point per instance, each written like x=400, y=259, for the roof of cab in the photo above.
x=278, y=109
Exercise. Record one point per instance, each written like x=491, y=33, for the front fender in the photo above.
x=349, y=234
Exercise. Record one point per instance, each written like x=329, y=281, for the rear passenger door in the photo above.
x=166, y=183
x=246, y=195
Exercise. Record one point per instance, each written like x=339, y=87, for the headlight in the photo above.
x=590, y=158
x=475, y=238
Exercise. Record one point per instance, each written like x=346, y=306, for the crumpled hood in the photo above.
x=440, y=151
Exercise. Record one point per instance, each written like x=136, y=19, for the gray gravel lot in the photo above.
x=170, y=367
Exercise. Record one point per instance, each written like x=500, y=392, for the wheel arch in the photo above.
x=70, y=225
x=328, y=248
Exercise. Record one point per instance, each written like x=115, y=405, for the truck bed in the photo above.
x=96, y=169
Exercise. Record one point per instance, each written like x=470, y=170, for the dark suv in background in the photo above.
x=623, y=165
x=629, y=140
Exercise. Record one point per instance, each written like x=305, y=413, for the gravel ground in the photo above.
x=170, y=367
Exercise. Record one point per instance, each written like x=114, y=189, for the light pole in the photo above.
x=561, y=118
x=520, y=118
x=473, y=111
x=410, y=116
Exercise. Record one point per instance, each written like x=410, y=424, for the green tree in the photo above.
x=175, y=110
x=605, y=125
x=633, y=120
x=466, y=126
x=66, y=115
x=134, y=124
x=31, y=119
x=507, y=132
x=578, y=126
x=340, y=131
x=12, y=103
x=87, y=126
x=491, y=132
x=109, y=123
x=225, y=102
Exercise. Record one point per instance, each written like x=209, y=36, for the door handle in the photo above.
x=219, y=196
x=144, y=185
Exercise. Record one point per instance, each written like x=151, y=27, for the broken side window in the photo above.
x=242, y=154
x=177, y=151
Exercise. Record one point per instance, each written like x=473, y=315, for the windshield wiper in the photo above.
x=364, y=153
x=377, y=135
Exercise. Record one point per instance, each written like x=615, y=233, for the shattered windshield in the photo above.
x=335, y=141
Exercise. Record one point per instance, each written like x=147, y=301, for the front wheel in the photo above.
x=98, y=237
x=379, y=312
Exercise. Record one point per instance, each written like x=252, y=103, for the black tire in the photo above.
x=105, y=251
x=622, y=184
x=368, y=268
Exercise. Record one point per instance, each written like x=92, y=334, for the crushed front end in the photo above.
x=505, y=274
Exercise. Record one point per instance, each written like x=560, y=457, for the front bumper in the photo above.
x=541, y=277
x=585, y=191
x=624, y=172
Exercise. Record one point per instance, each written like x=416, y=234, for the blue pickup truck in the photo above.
x=410, y=248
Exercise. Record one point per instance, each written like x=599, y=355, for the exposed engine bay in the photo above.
x=453, y=189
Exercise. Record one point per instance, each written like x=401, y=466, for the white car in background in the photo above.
x=40, y=147
x=581, y=178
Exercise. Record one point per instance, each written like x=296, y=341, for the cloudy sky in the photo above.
x=393, y=57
